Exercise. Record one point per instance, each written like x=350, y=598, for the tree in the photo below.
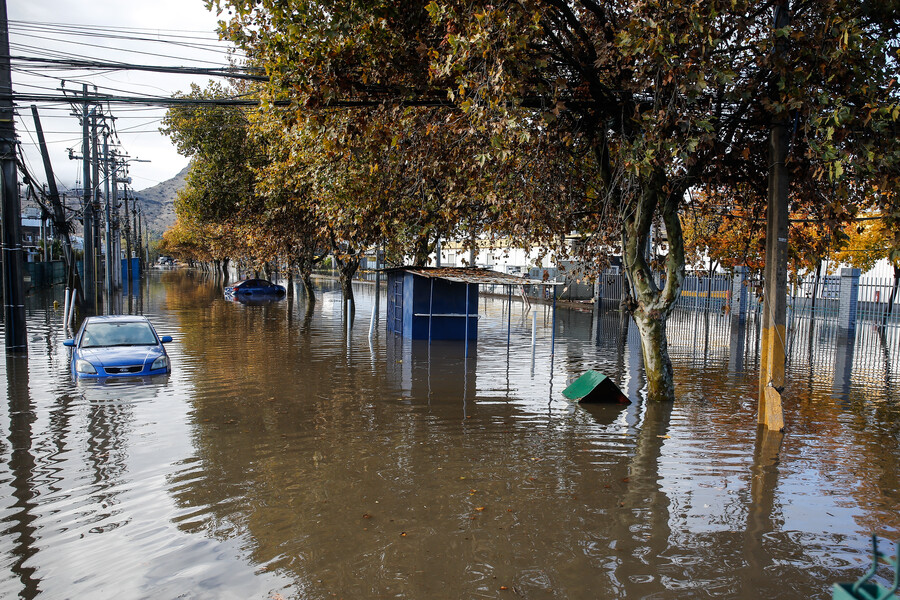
x=224, y=200
x=868, y=242
x=633, y=103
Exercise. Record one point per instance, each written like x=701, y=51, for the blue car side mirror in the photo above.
x=165, y=339
x=69, y=343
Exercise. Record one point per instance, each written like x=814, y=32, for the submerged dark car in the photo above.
x=118, y=346
x=255, y=288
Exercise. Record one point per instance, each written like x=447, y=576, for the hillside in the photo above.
x=159, y=202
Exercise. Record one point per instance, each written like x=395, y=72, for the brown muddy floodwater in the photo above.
x=283, y=460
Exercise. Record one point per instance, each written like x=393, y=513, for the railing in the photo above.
x=816, y=297
x=878, y=299
x=705, y=293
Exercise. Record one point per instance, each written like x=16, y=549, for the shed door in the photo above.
x=396, y=316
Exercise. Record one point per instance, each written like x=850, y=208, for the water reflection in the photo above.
x=762, y=517
x=290, y=455
x=21, y=526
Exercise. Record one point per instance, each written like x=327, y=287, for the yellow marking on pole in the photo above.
x=774, y=416
x=771, y=377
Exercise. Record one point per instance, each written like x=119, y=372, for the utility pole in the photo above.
x=95, y=181
x=109, y=245
x=128, y=274
x=114, y=184
x=138, y=242
x=142, y=231
x=88, y=215
x=772, y=353
x=11, y=209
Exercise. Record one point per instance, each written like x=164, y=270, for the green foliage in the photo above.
x=535, y=118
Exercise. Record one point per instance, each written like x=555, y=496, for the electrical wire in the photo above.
x=210, y=43
x=125, y=50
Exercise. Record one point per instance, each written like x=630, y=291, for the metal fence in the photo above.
x=812, y=296
x=839, y=326
x=699, y=292
x=702, y=292
x=878, y=299
x=44, y=274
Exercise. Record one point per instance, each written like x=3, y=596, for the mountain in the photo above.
x=159, y=202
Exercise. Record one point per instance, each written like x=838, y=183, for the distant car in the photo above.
x=118, y=346
x=251, y=288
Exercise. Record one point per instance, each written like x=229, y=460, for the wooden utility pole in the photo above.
x=10, y=208
x=772, y=353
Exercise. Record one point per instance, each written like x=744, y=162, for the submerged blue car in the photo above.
x=250, y=288
x=118, y=346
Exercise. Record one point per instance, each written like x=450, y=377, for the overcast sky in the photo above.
x=51, y=28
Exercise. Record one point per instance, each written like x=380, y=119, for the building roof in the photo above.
x=471, y=275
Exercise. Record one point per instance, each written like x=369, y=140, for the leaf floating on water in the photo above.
x=479, y=508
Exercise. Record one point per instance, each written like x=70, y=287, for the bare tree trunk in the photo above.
x=651, y=305
x=712, y=269
x=306, y=279
x=423, y=249
x=890, y=307
x=347, y=268
x=815, y=291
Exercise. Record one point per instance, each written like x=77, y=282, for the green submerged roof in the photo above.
x=584, y=385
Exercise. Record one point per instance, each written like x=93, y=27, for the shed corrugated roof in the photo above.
x=471, y=275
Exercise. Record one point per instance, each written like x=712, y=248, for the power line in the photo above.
x=206, y=44
x=224, y=71
x=129, y=51
x=103, y=28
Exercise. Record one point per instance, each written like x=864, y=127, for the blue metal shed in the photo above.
x=423, y=305
x=440, y=303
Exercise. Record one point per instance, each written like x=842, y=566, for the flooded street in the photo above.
x=284, y=458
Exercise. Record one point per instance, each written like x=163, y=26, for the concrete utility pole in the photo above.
x=109, y=245
x=95, y=181
x=10, y=208
x=128, y=274
x=139, y=240
x=90, y=288
x=112, y=177
x=772, y=353
x=144, y=231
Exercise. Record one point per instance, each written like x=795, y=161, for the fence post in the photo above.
x=848, y=299
x=739, y=293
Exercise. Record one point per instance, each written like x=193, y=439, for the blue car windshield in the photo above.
x=97, y=335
